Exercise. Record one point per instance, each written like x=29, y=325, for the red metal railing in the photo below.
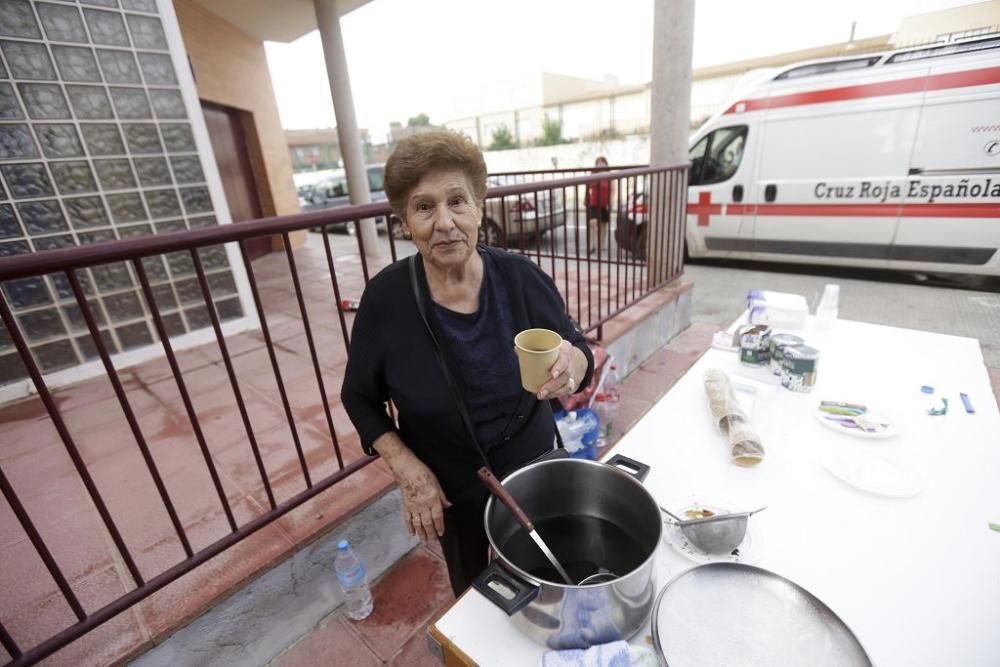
x=636, y=254
x=629, y=261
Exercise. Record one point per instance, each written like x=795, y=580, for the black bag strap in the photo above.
x=422, y=308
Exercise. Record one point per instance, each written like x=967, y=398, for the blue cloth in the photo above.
x=483, y=345
x=614, y=654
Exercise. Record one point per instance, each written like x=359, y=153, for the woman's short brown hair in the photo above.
x=437, y=149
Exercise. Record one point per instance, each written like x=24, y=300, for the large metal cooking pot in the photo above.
x=595, y=517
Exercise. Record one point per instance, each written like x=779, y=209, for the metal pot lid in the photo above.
x=729, y=613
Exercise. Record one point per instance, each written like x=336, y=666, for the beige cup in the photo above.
x=537, y=350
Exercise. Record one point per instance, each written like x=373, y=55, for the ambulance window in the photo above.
x=720, y=158
x=827, y=67
x=695, y=155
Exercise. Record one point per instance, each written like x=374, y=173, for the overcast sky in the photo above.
x=408, y=57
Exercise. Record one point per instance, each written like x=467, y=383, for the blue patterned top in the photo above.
x=483, y=345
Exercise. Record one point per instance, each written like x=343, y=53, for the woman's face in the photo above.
x=443, y=218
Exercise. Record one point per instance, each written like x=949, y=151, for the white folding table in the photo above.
x=917, y=578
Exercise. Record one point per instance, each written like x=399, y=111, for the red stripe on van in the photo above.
x=867, y=210
x=977, y=77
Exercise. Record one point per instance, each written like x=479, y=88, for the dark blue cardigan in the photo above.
x=392, y=357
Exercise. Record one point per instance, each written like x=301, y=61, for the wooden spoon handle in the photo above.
x=503, y=495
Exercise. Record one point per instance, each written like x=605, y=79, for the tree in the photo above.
x=420, y=120
x=551, y=133
x=502, y=139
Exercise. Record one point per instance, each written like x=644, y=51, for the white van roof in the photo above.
x=809, y=70
x=886, y=58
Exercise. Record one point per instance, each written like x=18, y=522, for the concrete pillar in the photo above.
x=670, y=105
x=328, y=22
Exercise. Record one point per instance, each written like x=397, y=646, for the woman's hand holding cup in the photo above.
x=565, y=374
x=550, y=366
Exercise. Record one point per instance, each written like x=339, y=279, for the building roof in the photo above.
x=312, y=137
x=273, y=21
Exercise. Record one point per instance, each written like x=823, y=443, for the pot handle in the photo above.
x=630, y=466
x=495, y=577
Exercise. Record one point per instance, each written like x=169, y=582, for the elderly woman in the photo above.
x=474, y=299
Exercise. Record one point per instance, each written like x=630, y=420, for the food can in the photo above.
x=778, y=344
x=798, y=368
x=755, y=344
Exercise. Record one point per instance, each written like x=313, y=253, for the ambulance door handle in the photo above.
x=771, y=192
x=737, y=193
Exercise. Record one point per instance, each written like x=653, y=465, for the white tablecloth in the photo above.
x=917, y=579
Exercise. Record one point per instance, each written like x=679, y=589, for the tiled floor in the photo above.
x=35, y=461
x=416, y=590
x=406, y=599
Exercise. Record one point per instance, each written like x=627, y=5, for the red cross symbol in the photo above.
x=704, y=208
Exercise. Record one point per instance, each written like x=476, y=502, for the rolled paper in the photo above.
x=730, y=419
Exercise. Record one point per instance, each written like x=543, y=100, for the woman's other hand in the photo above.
x=566, y=374
x=423, y=500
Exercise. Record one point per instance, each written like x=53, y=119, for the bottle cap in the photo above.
x=343, y=545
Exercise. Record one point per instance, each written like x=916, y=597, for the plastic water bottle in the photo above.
x=606, y=405
x=826, y=312
x=351, y=576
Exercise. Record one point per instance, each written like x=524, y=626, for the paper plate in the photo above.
x=884, y=474
x=891, y=431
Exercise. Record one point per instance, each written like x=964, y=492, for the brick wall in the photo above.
x=230, y=68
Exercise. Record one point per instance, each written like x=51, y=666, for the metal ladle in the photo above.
x=598, y=577
x=503, y=495
x=715, y=534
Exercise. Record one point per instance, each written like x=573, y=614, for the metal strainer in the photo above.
x=715, y=534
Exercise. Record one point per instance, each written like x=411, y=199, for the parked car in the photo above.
x=510, y=220
x=518, y=217
x=332, y=193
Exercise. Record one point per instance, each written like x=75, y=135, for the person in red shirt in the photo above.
x=598, y=209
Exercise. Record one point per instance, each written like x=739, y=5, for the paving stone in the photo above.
x=328, y=644
x=406, y=598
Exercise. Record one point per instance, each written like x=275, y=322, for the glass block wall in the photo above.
x=95, y=144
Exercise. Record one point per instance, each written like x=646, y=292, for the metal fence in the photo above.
x=544, y=217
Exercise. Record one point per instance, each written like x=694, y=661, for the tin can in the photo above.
x=778, y=344
x=755, y=344
x=799, y=367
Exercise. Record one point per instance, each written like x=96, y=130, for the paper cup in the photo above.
x=537, y=350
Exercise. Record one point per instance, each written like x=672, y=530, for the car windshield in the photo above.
x=376, y=179
x=335, y=188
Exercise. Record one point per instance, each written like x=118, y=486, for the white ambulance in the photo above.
x=888, y=160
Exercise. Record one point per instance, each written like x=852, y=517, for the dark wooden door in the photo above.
x=230, y=146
